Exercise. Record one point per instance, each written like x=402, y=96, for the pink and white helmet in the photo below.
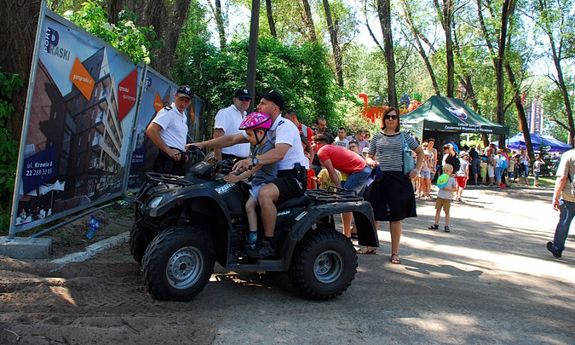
x=256, y=120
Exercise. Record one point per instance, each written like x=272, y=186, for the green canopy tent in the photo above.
x=451, y=115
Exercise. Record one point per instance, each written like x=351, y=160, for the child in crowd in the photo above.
x=511, y=169
x=444, y=195
x=256, y=126
x=425, y=173
x=483, y=170
x=537, y=169
x=491, y=170
x=324, y=181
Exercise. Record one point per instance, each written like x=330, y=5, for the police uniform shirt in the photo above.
x=285, y=132
x=229, y=120
x=174, y=127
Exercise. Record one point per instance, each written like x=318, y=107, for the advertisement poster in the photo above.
x=157, y=92
x=80, y=125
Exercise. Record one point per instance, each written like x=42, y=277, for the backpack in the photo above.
x=503, y=164
x=454, y=161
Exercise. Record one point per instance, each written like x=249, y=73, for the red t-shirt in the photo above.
x=342, y=159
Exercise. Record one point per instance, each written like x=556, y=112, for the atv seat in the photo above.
x=300, y=201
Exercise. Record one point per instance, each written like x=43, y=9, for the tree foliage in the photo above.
x=9, y=83
x=134, y=41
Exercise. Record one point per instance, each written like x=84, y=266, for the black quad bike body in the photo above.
x=185, y=224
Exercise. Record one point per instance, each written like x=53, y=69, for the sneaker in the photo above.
x=263, y=249
x=446, y=229
x=434, y=227
x=551, y=247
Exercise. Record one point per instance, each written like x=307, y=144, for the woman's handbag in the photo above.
x=408, y=162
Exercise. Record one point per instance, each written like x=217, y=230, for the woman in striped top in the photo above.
x=392, y=197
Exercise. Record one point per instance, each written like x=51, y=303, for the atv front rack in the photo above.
x=168, y=178
x=333, y=194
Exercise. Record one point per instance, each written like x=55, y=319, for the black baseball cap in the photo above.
x=274, y=96
x=185, y=90
x=242, y=93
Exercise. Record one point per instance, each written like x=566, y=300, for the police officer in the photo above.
x=291, y=161
x=168, y=131
x=228, y=122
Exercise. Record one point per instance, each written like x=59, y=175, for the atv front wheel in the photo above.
x=323, y=265
x=138, y=243
x=178, y=263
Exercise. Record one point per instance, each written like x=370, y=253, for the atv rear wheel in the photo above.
x=323, y=265
x=178, y=263
x=138, y=243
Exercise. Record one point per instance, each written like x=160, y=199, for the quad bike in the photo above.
x=185, y=224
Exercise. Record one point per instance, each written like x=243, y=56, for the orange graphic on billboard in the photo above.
x=158, y=102
x=82, y=79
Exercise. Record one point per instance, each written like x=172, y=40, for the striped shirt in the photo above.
x=388, y=150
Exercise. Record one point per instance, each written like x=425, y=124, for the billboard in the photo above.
x=78, y=126
x=157, y=92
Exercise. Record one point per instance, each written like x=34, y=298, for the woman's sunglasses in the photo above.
x=390, y=117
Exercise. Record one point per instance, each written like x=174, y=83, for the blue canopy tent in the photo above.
x=549, y=143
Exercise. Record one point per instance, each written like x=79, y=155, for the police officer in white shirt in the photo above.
x=168, y=131
x=292, y=164
x=228, y=122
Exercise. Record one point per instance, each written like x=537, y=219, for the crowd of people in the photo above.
x=291, y=157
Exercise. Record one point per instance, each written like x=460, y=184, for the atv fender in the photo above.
x=170, y=200
x=362, y=214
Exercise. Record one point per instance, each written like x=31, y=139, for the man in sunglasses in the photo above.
x=228, y=121
x=168, y=131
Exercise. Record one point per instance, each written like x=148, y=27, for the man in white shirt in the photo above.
x=291, y=161
x=228, y=122
x=341, y=139
x=168, y=131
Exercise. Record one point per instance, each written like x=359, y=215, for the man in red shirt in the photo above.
x=333, y=158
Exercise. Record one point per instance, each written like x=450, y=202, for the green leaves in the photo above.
x=134, y=41
x=9, y=83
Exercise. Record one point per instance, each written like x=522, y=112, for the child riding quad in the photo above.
x=185, y=224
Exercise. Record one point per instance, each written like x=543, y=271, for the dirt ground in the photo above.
x=469, y=286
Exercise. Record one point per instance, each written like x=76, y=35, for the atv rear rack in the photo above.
x=333, y=194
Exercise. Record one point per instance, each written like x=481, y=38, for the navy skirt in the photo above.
x=392, y=198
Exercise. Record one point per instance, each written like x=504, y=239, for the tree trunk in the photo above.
x=448, y=17
x=114, y=8
x=419, y=46
x=520, y=109
x=498, y=62
x=384, y=13
x=564, y=93
x=334, y=43
x=445, y=15
x=308, y=21
x=167, y=17
x=270, y=15
x=220, y=24
x=20, y=20
x=505, y=14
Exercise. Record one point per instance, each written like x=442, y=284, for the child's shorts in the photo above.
x=490, y=171
x=255, y=192
x=461, y=181
x=445, y=203
x=537, y=174
x=425, y=174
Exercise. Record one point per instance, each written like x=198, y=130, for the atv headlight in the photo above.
x=155, y=202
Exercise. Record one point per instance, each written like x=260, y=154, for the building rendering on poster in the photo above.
x=80, y=123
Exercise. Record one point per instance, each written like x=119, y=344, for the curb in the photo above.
x=91, y=250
